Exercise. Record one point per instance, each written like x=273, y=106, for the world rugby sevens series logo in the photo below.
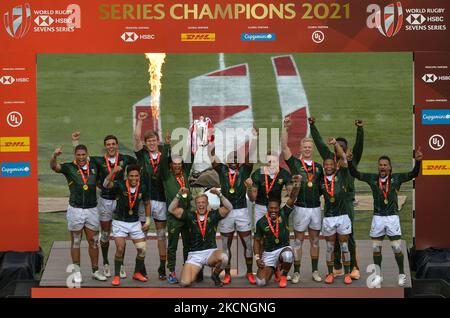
x=388, y=20
x=17, y=21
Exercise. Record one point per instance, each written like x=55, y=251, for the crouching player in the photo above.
x=336, y=222
x=272, y=230
x=125, y=222
x=202, y=225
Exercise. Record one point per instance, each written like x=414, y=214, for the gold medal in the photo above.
x=277, y=241
x=231, y=190
x=184, y=195
x=386, y=201
x=310, y=184
x=332, y=199
x=85, y=187
x=130, y=212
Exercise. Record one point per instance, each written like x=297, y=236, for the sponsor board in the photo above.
x=258, y=37
x=15, y=169
x=436, y=167
x=14, y=144
x=198, y=37
x=436, y=117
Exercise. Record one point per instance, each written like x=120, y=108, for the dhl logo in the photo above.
x=198, y=37
x=14, y=144
x=436, y=167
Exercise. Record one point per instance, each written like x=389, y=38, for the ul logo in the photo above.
x=14, y=119
x=436, y=142
x=318, y=36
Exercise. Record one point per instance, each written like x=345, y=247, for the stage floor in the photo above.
x=55, y=274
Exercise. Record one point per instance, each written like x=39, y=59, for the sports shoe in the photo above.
x=98, y=276
x=316, y=276
x=277, y=274
x=139, y=277
x=347, y=279
x=401, y=280
x=122, y=272
x=162, y=273
x=215, y=277
x=199, y=276
x=283, y=282
x=172, y=278
x=251, y=278
x=77, y=278
x=329, y=279
x=226, y=279
x=295, y=278
x=338, y=272
x=355, y=274
x=116, y=281
x=106, y=270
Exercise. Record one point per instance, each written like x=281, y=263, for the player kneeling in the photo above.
x=272, y=230
x=202, y=225
x=125, y=222
x=336, y=222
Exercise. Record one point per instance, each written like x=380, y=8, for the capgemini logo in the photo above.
x=17, y=21
x=388, y=20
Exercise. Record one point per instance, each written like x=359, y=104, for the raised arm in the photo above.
x=253, y=142
x=323, y=149
x=212, y=155
x=108, y=183
x=284, y=138
x=404, y=177
x=54, y=165
x=138, y=145
x=173, y=207
x=359, y=142
x=75, y=138
x=339, y=152
x=226, y=205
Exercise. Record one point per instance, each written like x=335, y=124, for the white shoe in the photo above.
x=98, y=276
x=122, y=273
x=106, y=270
x=296, y=278
x=401, y=280
x=77, y=278
x=316, y=277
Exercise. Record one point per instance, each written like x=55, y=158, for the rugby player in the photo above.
x=82, y=215
x=203, y=227
x=272, y=231
x=126, y=223
x=385, y=186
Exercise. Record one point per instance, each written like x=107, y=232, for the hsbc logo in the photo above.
x=429, y=78
x=133, y=36
x=415, y=19
x=129, y=36
x=7, y=80
x=388, y=21
x=44, y=20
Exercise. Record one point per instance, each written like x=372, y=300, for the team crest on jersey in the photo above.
x=140, y=196
x=121, y=163
x=280, y=181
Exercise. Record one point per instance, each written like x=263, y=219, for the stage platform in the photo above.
x=53, y=280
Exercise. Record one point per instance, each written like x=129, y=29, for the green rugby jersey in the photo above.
x=238, y=197
x=326, y=153
x=395, y=182
x=340, y=204
x=308, y=197
x=122, y=211
x=269, y=240
x=153, y=180
x=123, y=161
x=198, y=242
x=283, y=179
x=80, y=198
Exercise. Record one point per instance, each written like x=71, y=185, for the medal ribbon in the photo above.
x=381, y=187
x=115, y=164
x=331, y=193
x=232, y=179
x=85, y=180
x=202, y=225
x=131, y=200
x=277, y=226
x=155, y=165
x=310, y=177
x=266, y=179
